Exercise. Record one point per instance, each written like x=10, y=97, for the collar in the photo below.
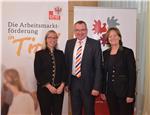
x=83, y=41
x=50, y=50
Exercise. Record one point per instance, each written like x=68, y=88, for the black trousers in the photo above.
x=50, y=104
x=118, y=106
x=81, y=99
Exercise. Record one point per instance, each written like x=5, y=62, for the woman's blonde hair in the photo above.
x=15, y=79
x=46, y=36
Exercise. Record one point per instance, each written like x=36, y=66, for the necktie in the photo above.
x=78, y=60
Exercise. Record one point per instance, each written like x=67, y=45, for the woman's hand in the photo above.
x=60, y=88
x=52, y=89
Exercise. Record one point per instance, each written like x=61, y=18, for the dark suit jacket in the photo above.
x=43, y=67
x=90, y=65
x=123, y=72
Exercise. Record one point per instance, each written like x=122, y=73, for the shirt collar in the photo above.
x=82, y=41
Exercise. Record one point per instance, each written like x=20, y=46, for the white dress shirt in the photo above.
x=77, y=44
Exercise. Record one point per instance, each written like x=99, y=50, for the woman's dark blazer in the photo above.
x=43, y=67
x=123, y=72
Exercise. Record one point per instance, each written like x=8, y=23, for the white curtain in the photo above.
x=142, y=22
x=146, y=110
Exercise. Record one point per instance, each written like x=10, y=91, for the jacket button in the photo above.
x=113, y=71
x=113, y=75
x=113, y=80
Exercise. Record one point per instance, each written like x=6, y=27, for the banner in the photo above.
x=98, y=21
x=24, y=25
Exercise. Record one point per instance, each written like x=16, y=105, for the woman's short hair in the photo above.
x=118, y=33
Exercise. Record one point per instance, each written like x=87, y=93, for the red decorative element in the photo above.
x=58, y=10
x=98, y=28
x=50, y=12
x=55, y=13
x=103, y=39
x=101, y=107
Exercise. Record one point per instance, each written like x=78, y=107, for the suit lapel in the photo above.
x=72, y=49
x=86, y=49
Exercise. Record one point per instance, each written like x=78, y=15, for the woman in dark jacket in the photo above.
x=49, y=69
x=119, y=75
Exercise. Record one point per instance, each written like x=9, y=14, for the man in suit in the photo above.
x=83, y=58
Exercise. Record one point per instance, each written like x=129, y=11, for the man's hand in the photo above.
x=129, y=100
x=95, y=92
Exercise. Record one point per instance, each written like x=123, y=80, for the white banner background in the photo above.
x=126, y=18
x=14, y=17
x=98, y=20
